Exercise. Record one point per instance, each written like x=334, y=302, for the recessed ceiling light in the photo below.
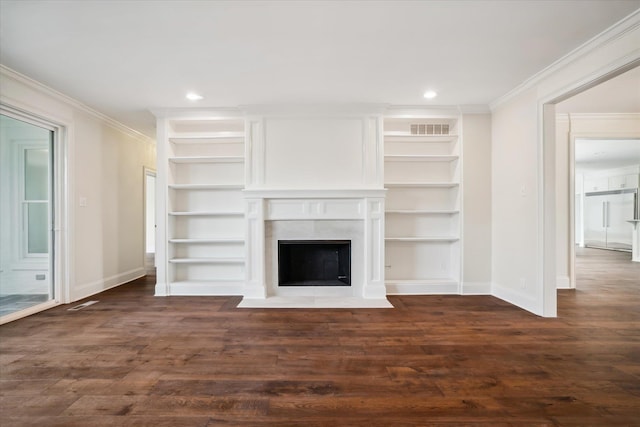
x=430, y=94
x=192, y=96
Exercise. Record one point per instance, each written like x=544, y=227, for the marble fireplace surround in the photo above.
x=356, y=215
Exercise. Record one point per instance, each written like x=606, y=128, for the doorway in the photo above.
x=606, y=177
x=150, y=220
x=598, y=168
x=26, y=216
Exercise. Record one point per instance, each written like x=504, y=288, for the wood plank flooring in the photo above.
x=138, y=360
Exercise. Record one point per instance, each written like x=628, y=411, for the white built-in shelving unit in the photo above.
x=422, y=175
x=203, y=160
x=211, y=229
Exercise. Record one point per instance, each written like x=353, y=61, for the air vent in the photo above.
x=430, y=129
x=81, y=306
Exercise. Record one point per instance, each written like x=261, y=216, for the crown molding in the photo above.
x=422, y=111
x=213, y=113
x=601, y=116
x=617, y=30
x=474, y=109
x=42, y=88
x=341, y=109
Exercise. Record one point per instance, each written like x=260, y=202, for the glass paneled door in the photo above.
x=26, y=171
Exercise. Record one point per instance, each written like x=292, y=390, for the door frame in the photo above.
x=547, y=175
x=59, y=246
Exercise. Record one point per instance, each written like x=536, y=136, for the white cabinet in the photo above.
x=422, y=221
x=205, y=208
x=596, y=184
x=611, y=181
x=621, y=182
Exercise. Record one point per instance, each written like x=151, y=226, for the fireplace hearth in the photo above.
x=314, y=263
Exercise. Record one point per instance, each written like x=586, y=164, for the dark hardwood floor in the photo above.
x=138, y=360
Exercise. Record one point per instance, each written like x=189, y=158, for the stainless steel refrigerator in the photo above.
x=605, y=218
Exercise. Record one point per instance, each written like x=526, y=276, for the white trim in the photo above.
x=314, y=302
x=474, y=109
x=313, y=193
x=545, y=285
x=92, y=288
x=523, y=301
x=601, y=116
x=46, y=90
x=476, y=288
x=28, y=311
x=62, y=250
x=186, y=114
x=435, y=287
x=612, y=33
x=563, y=282
x=421, y=111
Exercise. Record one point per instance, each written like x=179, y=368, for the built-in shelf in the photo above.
x=421, y=184
x=421, y=212
x=423, y=171
x=205, y=241
x=422, y=239
x=207, y=159
x=193, y=213
x=206, y=186
x=420, y=158
x=207, y=260
x=202, y=237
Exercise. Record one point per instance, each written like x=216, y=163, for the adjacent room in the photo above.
x=252, y=213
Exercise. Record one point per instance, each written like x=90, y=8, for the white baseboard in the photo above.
x=421, y=288
x=563, y=282
x=515, y=297
x=92, y=288
x=476, y=288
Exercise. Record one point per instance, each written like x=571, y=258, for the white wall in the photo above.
x=105, y=166
x=476, y=130
x=522, y=271
x=515, y=201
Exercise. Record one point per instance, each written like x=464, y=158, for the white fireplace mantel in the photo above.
x=362, y=208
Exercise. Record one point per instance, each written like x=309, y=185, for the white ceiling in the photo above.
x=124, y=57
x=598, y=154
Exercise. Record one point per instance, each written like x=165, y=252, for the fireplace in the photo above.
x=314, y=263
x=344, y=229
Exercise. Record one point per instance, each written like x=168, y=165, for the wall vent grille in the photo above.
x=430, y=129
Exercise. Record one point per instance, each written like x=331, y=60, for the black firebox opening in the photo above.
x=314, y=262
